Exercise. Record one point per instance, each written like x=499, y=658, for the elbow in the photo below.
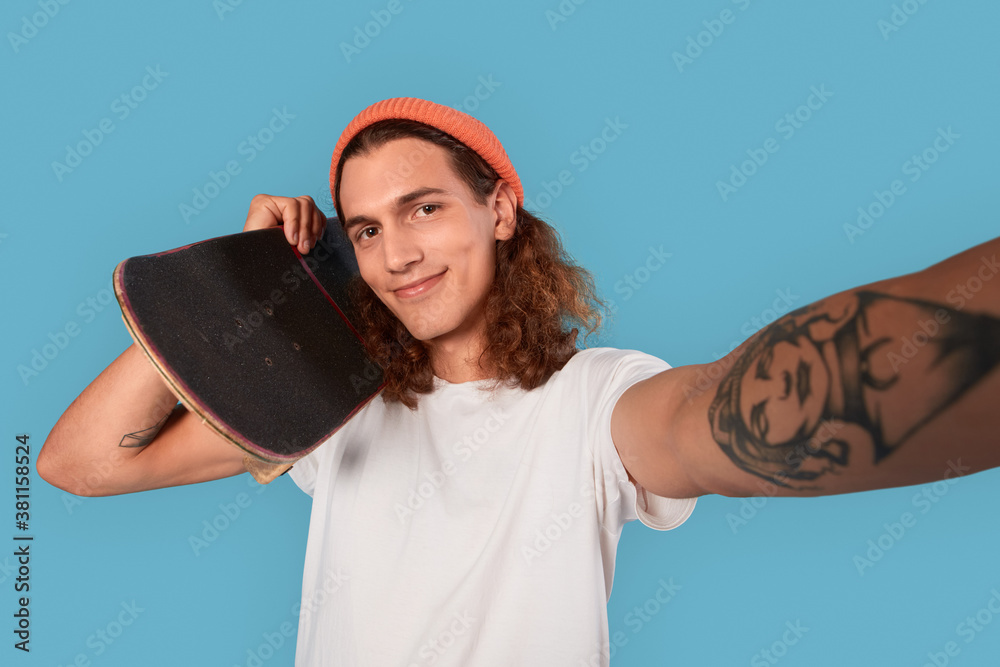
x=51, y=474
x=45, y=467
x=66, y=483
x=58, y=473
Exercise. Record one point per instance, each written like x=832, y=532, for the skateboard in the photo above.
x=255, y=338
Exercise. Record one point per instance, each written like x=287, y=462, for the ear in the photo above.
x=505, y=208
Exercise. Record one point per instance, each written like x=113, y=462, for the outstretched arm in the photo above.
x=890, y=384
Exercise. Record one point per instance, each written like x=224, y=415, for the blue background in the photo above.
x=554, y=85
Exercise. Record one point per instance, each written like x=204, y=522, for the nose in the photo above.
x=400, y=249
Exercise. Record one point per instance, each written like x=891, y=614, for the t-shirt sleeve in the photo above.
x=303, y=472
x=609, y=374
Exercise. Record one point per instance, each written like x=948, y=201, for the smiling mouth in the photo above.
x=419, y=286
x=802, y=381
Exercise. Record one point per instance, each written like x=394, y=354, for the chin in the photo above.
x=425, y=332
x=421, y=327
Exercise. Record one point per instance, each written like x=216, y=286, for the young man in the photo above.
x=470, y=514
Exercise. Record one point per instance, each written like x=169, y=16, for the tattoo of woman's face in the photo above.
x=826, y=383
x=783, y=393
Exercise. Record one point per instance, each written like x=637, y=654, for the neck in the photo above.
x=456, y=357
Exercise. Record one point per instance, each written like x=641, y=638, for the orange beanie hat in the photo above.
x=461, y=126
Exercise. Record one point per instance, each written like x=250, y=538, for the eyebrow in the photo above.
x=401, y=201
x=764, y=364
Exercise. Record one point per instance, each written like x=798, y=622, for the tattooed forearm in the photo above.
x=145, y=436
x=851, y=376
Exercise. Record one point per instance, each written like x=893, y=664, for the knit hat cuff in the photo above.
x=468, y=130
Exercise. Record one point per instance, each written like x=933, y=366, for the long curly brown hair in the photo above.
x=538, y=292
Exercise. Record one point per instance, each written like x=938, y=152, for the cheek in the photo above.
x=370, y=275
x=366, y=271
x=748, y=396
x=476, y=260
x=485, y=270
x=784, y=424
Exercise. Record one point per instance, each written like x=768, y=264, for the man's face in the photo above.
x=784, y=391
x=423, y=243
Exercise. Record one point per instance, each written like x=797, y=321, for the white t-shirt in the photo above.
x=477, y=530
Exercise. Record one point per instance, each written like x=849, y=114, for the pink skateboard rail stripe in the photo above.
x=323, y=291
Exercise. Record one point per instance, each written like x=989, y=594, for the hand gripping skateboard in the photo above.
x=255, y=338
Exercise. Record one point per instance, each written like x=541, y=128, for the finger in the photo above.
x=307, y=212
x=319, y=223
x=290, y=220
x=263, y=213
x=303, y=222
x=314, y=221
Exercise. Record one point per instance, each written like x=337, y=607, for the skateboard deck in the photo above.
x=255, y=338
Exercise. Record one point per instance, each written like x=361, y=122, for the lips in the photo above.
x=418, y=286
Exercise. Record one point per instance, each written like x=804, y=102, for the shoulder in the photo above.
x=608, y=362
x=362, y=426
x=602, y=374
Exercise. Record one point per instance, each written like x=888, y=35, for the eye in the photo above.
x=425, y=207
x=764, y=365
x=364, y=233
